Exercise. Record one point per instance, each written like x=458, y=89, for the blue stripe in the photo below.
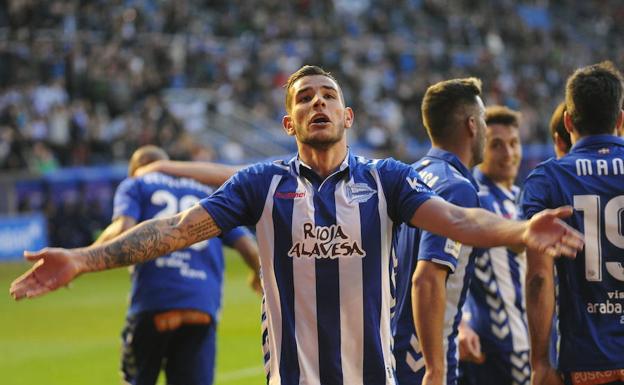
x=374, y=371
x=328, y=294
x=283, y=266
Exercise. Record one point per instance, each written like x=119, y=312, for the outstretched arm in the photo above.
x=248, y=249
x=545, y=232
x=540, y=298
x=118, y=226
x=57, y=267
x=428, y=305
x=213, y=174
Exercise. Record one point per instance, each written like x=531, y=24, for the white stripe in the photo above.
x=454, y=287
x=351, y=293
x=385, y=237
x=304, y=281
x=502, y=275
x=265, y=235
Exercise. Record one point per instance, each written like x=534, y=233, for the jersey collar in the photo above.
x=454, y=161
x=347, y=164
x=592, y=140
x=483, y=179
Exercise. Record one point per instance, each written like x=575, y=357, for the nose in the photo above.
x=508, y=151
x=318, y=101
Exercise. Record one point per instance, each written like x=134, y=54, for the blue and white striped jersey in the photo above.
x=591, y=286
x=496, y=298
x=325, y=252
x=444, y=173
x=190, y=278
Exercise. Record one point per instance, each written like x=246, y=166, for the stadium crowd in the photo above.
x=80, y=81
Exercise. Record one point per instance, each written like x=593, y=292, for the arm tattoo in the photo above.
x=534, y=287
x=149, y=240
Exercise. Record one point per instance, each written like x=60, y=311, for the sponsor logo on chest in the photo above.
x=325, y=242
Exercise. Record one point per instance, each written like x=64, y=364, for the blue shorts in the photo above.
x=187, y=354
x=498, y=369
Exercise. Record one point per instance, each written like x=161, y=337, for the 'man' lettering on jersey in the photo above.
x=586, y=167
x=325, y=242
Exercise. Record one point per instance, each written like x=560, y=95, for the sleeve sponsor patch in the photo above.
x=452, y=247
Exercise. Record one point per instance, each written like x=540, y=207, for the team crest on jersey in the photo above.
x=325, y=242
x=359, y=193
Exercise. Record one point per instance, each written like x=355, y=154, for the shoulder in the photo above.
x=264, y=170
x=543, y=168
x=127, y=185
x=383, y=167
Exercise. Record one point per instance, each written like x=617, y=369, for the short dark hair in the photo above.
x=502, y=115
x=594, y=98
x=307, y=70
x=557, y=126
x=443, y=101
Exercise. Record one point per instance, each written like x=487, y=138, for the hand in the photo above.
x=550, y=236
x=545, y=375
x=469, y=345
x=53, y=268
x=255, y=283
x=158, y=165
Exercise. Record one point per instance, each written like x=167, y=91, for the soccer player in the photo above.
x=560, y=137
x=324, y=222
x=496, y=306
x=175, y=299
x=591, y=300
x=429, y=309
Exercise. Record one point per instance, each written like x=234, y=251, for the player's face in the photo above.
x=479, y=142
x=503, y=153
x=317, y=117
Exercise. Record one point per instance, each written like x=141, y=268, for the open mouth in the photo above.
x=320, y=119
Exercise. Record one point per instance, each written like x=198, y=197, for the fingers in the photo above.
x=35, y=255
x=573, y=239
x=27, y=286
x=562, y=212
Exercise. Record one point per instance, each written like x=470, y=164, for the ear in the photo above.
x=618, y=124
x=471, y=126
x=567, y=122
x=288, y=126
x=349, y=116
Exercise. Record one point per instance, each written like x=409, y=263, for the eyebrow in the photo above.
x=330, y=88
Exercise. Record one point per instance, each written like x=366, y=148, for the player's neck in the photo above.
x=463, y=153
x=323, y=161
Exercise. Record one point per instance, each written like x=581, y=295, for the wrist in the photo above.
x=78, y=257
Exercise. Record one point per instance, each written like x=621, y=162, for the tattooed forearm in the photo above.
x=152, y=239
x=203, y=229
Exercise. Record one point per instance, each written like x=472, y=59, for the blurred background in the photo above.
x=84, y=83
